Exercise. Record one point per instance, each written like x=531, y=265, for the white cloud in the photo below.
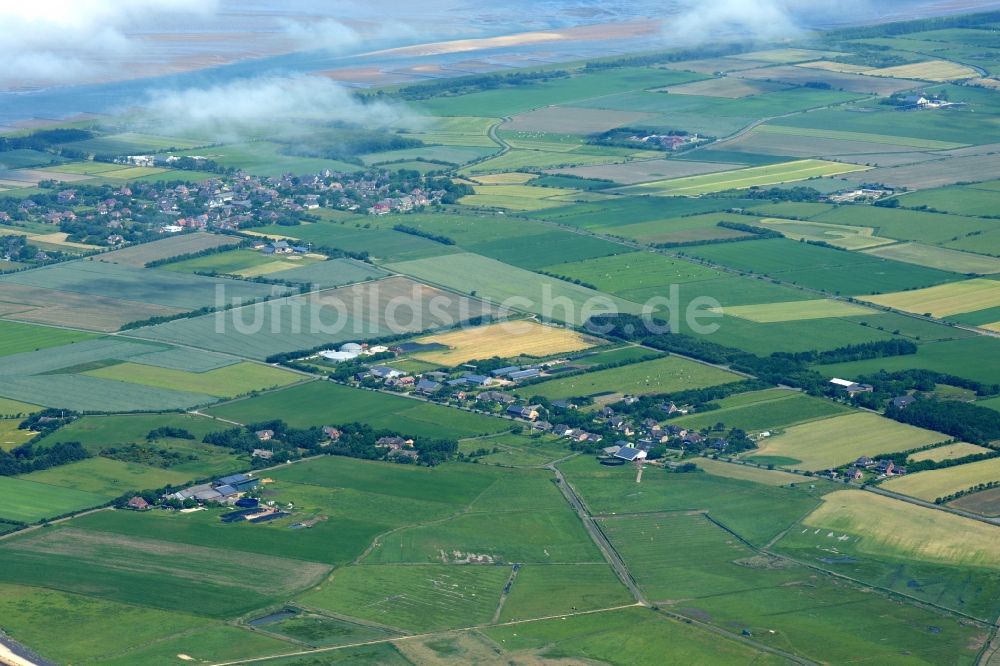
x=270, y=106
x=338, y=37
x=63, y=41
x=767, y=20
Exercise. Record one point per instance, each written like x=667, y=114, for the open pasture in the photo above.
x=636, y=275
x=767, y=477
x=455, y=131
x=729, y=87
x=326, y=403
x=974, y=200
x=902, y=224
x=367, y=310
x=931, y=484
x=797, y=311
x=572, y=120
x=857, y=83
x=242, y=262
x=857, y=137
x=109, y=478
x=838, y=235
x=762, y=176
x=839, y=440
x=641, y=171
x=939, y=257
x=769, y=410
x=225, y=382
x=546, y=590
x=212, y=581
x=506, y=340
x=27, y=501
x=976, y=358
x=520, y=159
x=929, y=70
x=140, y=255
x=946, y=299
x=384, y=244
x=663, y=375
x=512, y=287
x=422, y=597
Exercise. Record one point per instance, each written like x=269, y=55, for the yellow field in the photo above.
x=514, y=197
x=509, y=339
x=796, y=311
x=945, y=299
x=931, y=70
x=59, y=238
x=10, y=436
x=836, y=441
x=882, y=523
x=786, y=55
x=941, y=482
x=831, y=66
x=995, y=326
x=993, y=84
x=512, y=178
x=747, y=473
x=840, y=235
x=947, y=452
x=13, y=407
x=270, y=267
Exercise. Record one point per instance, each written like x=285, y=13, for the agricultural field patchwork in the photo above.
x=506, y=340
x=939, y=257
x=797, y=311
x=946, y=299
x=936, y=483
x=140, y=255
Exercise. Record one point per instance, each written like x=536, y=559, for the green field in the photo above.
x=27, y=501
x=974, y=358
x=840, y=440
x=419, y=597
x=546, y=590
x=797, y=311
x=109, y=478
x=16, y=338
x=938, y=257
x=663, y=375
x=213, y=582
x=140, y=255
x=226, y=382
x=763, y=410
x=936, y=483
x=325, y=403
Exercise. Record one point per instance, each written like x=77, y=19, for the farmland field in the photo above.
x=641, y=171
x=325, y=403
x=945, y=300
x=728, y=86
x=29, y=501
x=327, y=317
x=763, y=410
x=938, y=257
x=762, y=176
x=931, y=70
x=108, y=478
x=838, y=80
x=931, y=484
x=948, y=452
x=662, y=375
x=545, y=590
x=842, y=439
x=797, y=310
x=506, y=340
x=226, y=382
x=419, y=597
x=839, y=235
x=16, y=338
x=214, y=581
x=975, y=358
x=513, y=287
x=140, y=255
x=984, y=502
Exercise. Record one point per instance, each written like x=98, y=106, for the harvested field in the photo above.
x=935, y=483
x=762, y=176
x=140, y=255
x=506, y=340
x=570, y=120
x=797, y=311
x=929, y=70
x=948, y=452
x=939, y=257
x=729, y=87
x=857, y=83
x=946, y=299
x=918, y=532
x=641, y=171
x=367, y=310
x=971, y=168
x=833, y=66
x=836, y=441
x=985, y=502
x=838, y=235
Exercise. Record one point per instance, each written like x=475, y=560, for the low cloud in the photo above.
x=277, y=107
x=702, y=21
x=338, y=37
x=49, y=42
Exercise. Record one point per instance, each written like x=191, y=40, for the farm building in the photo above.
x=630, y=454
x=238, y=482
x=138, y=503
